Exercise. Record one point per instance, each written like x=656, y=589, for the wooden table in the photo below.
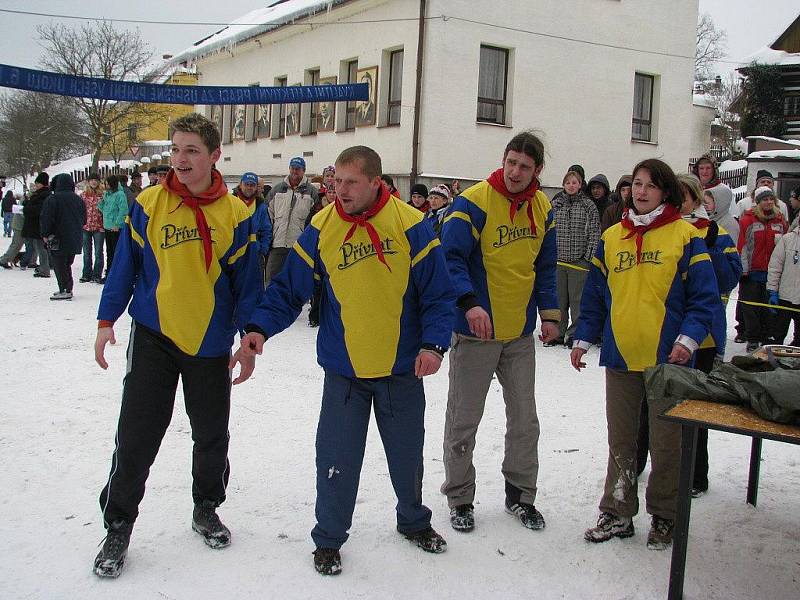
x=692, y=415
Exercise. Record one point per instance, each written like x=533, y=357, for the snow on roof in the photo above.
x=788, y=154
x=254, y=23
x=702, y=100
x=773, y=139
x=768, y=56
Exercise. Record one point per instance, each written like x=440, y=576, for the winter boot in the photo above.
x=462, y=517
x=327, y=561
x=609, y=526
x=205, y=521
x=660, y=535
x=526, y=513
x=111, y=559
x=428, y=540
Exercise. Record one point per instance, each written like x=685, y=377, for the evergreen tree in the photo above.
x=762, y=101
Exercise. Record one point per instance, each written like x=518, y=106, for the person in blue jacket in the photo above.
x=386, y=314
x=652, y=295
x=247, y=192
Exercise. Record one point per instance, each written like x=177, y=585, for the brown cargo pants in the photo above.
x=624, y=393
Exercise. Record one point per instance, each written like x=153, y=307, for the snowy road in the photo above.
x=56, y=438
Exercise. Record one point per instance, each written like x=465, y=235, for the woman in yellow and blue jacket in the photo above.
x=651, y=294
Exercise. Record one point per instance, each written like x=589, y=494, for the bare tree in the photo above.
x=100, y=50
x=36, y=130
x=711, y=46
x=723, y=97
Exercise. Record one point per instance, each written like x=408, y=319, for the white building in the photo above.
x=606, y=83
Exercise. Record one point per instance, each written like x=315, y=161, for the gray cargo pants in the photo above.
x=472, y=364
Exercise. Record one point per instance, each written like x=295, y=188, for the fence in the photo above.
x=734, y=178
x=81, y=175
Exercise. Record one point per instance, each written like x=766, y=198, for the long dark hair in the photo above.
x=112, y=182
x=663, y=178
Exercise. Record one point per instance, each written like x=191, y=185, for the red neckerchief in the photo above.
x=423, y=208
x=515, y=201
x=362, y=220
x=216, y=190
x=702, y=223
x=671, y=213
x=713, y=183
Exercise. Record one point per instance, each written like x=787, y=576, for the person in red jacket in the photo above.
x=759, y=228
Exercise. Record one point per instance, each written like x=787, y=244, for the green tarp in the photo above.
x=771, y=388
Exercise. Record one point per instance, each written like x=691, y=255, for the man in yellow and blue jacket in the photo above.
x=385, y=322
x=187, y=263
x=500, y=243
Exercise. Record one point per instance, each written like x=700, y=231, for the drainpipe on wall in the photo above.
x=418, y=94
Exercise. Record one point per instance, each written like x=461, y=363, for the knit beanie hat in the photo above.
x=42, y=178
x=763, y=193
x=762, y=173
x=419, y=188
x=441, y=190
x=579, y=170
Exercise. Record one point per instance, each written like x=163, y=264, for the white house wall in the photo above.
x=297, y=50
x=579, y=96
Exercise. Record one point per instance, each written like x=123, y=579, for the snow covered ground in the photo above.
x=56, y=439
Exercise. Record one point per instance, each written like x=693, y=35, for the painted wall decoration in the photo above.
x=262, y=116
x=293, y=117
x=238, y=122
x=365, y=109
x=216, y=116
x=326, y=115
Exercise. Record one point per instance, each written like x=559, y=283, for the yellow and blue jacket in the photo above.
x=159, y=262
x=728, y=269
x=508, y=268
x=373, y=321
x=641, y=309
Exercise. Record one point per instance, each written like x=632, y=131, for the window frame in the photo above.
x=280, y=129
x=390, y=103
x=350, y=106
x=649, y=122
x=313, y=77
x=493, y=101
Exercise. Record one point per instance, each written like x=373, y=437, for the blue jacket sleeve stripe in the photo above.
x=118, y=288
x=287, y=293
x=545, y=285
x=702, y=294
x=593, y=299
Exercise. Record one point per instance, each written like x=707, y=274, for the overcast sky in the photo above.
x=750, y=24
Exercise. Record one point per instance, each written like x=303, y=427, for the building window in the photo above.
x=281, y=120
x=395, y=87
x=791, y=106
x=642, y=129
x=492, y=85
x=352, y=77
x=313, y=79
